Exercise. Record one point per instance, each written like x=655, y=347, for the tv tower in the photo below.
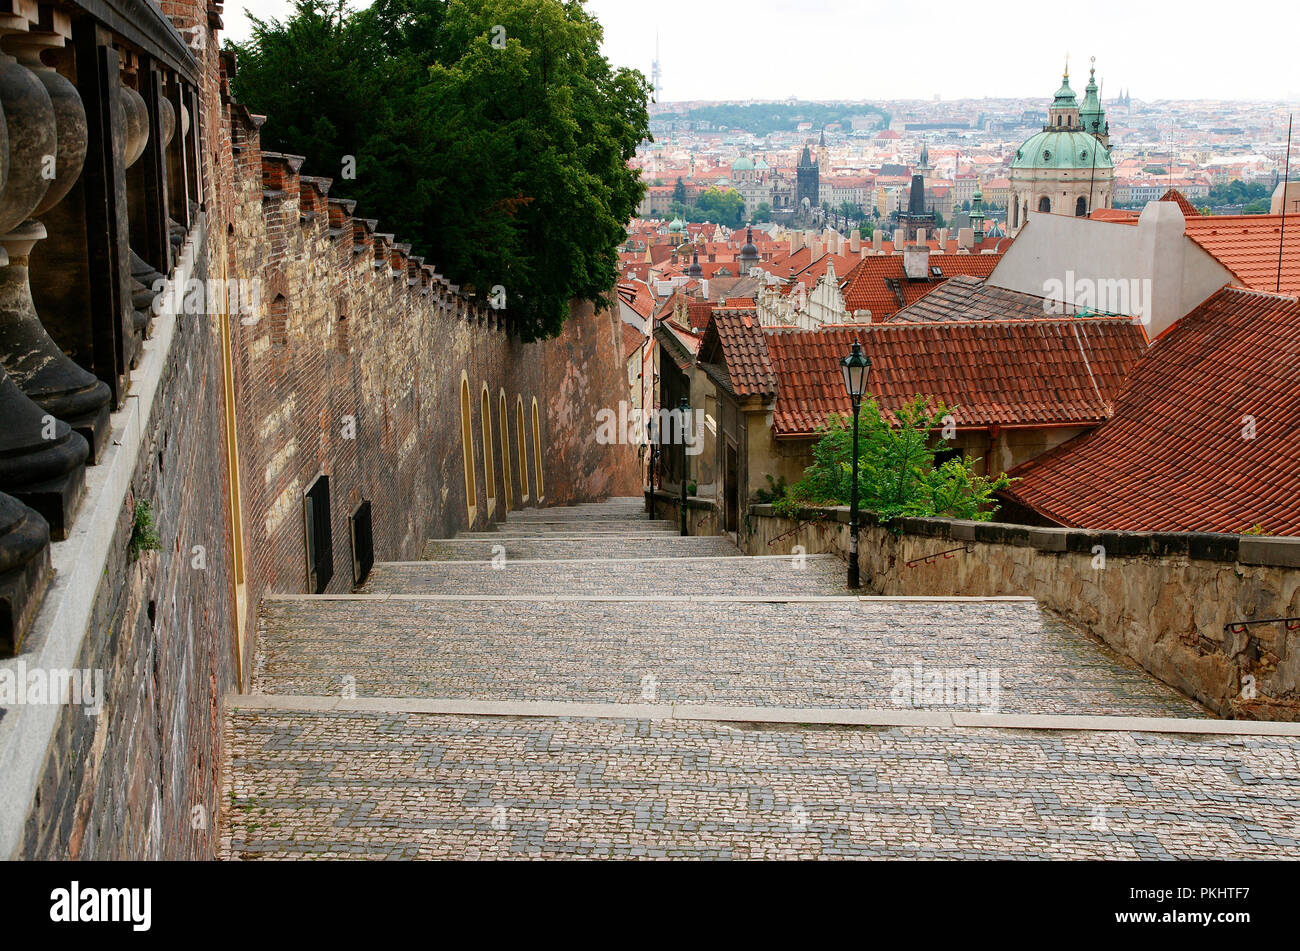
x=654, y=71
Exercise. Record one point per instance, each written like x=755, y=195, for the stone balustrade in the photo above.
x=96, y=193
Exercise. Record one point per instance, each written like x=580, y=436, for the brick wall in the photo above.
x=351, y=368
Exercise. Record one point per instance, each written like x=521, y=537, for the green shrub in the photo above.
x=897, y=476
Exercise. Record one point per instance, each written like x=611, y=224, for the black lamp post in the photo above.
x=683, y=421
x=855, y=368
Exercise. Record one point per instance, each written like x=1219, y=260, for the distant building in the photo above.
x=1066, y=168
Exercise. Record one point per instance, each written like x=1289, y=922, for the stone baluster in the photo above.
x=24, y=535
x=42, y=461
x=32, y=359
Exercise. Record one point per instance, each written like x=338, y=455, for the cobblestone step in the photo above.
x=585, y=548
x=571, y=529
x=401, y=785
x=624, y=575
x=673, y=648
x=590, y=512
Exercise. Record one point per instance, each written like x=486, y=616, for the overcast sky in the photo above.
x=867, y=49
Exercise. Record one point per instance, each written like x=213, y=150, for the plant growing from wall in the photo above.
x=897, y=476
x=144, y=536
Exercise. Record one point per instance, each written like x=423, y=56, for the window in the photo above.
x=489, y=464
x=537, y=451
x=318, y=542
x=503, y=420
x=1044, y=204
x=523, y=448
x=467, y=447
x=363, y=542
x=1081, y=207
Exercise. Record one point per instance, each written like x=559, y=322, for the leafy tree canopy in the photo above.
x=492, y=135
x=897, y=476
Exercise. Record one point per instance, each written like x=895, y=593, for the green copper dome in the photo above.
x=742, y=165
x=1062, y=149
x=676, y=226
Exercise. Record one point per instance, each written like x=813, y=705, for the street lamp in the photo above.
x=683, y=420
x=855, y=368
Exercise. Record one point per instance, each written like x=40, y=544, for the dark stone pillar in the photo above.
x=24, y=570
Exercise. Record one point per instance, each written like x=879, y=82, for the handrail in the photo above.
x=1239, y=627
x=821, y=517
x=947, y=553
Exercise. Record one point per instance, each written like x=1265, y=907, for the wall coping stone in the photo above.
x=1265, y=550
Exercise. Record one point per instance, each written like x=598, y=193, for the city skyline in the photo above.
x=735, y=51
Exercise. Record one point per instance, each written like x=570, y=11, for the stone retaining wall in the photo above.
x=1162, y=599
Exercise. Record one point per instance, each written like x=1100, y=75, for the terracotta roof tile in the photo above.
x=1006, y=373
x=877, y=282
x=743, y=346
x=1173, y=456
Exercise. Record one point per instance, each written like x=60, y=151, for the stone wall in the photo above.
x=1162, y=599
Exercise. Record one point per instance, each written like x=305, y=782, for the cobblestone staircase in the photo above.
x=584, y=682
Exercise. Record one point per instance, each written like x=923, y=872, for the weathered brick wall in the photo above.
x=359, y=331
x=140, y=780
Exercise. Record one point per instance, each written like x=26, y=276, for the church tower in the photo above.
x=807, y=182
x=1065, y=169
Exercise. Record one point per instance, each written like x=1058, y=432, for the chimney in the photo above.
x=920, y=236
x=855, y=241
x=916, y=262
x=704, y=288
x=965, y=238
x=796, y=241
x=943, y=238
x=878, y=240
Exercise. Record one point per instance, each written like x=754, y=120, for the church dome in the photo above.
x=742, y=164
x=676, y=226
x=1062, y=149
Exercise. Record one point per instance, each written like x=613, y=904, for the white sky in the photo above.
x=897, y=49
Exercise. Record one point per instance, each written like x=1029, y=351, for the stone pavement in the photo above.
x=414, y=767
x=839, y=652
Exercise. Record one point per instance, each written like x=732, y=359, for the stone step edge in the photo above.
x=815, y=716
x=567, y=561
x=643, y=598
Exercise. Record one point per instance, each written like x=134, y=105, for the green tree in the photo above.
x=679, y=191
x=763, y=212
x=725, y=207
x=492, y=135
x=897, y=476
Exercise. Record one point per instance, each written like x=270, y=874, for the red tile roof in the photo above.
x=1189, y=210
x=632, y=340
x=1247, y=245
x=877, y=282
x=743, y=348
x=1173, y=457
x=993, y=372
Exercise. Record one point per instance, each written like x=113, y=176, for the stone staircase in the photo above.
x=585, y=682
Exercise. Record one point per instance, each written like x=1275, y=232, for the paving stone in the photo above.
x=355, y=784
x=390, y=785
